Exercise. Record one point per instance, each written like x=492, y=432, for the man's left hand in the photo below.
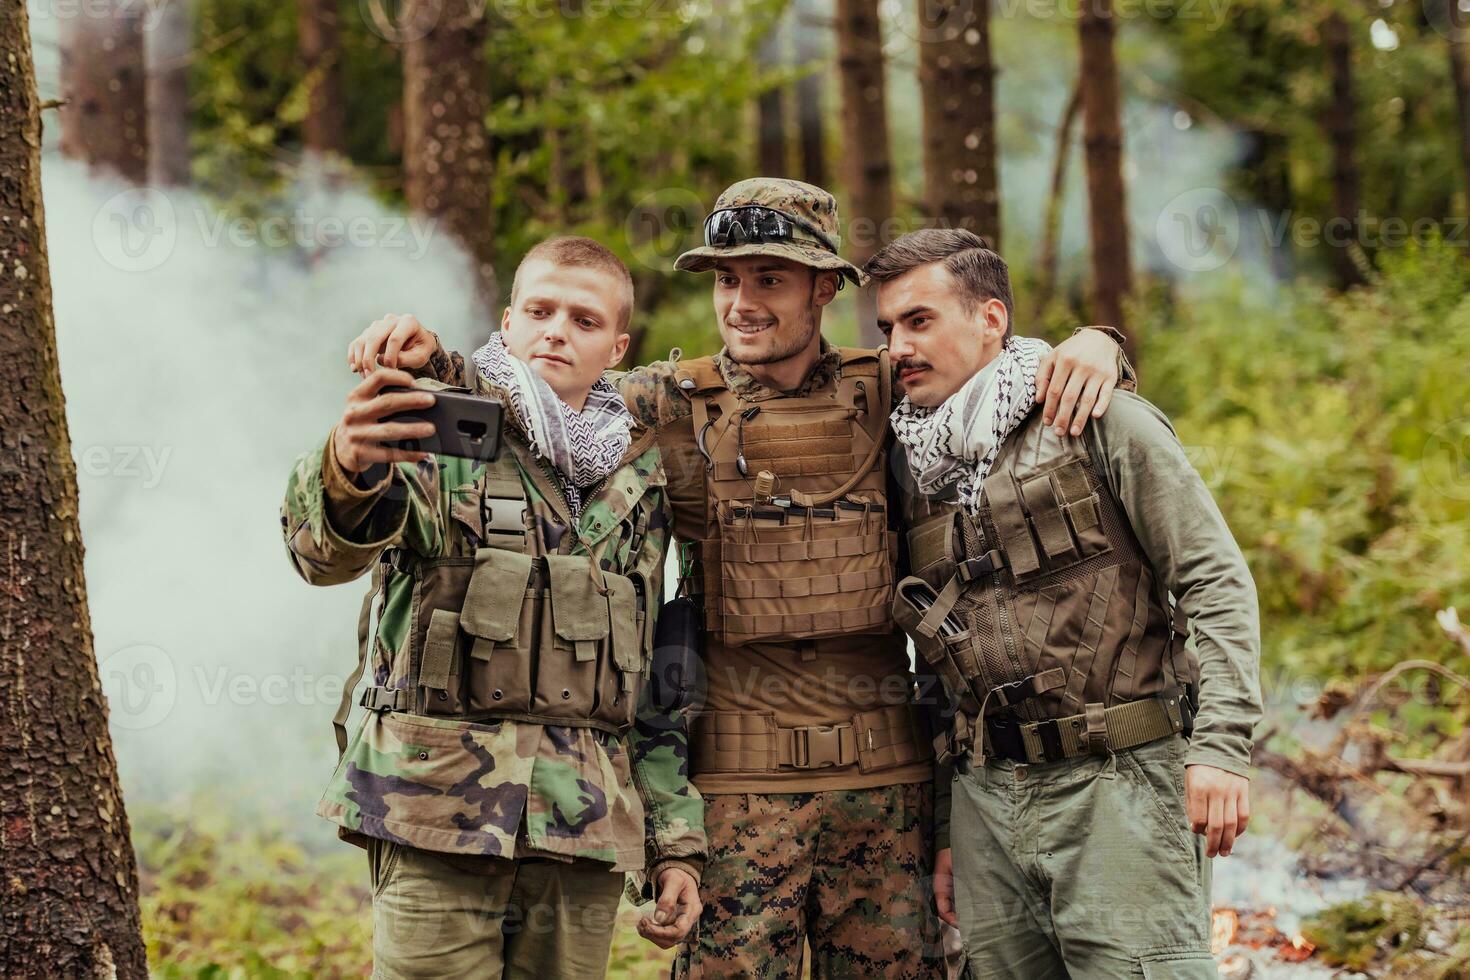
x=1076, y=380
x=675, y=913
x=1218, y=804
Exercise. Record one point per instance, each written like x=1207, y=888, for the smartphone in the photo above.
x=465, y=424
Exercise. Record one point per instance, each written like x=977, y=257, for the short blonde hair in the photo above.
x=578, y=251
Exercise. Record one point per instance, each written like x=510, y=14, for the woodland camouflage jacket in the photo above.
x=507, y=788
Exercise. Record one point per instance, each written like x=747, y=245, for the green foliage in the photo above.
x=1333, y=430
x=1354, y=934
x=222, y=901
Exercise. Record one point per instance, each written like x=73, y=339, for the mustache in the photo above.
x=908, y=363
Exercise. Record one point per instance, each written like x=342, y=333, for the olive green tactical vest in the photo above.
x=1048, y=617
x=519, y=630
x=797, y=545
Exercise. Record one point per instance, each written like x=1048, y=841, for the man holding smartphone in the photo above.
x=510, y=768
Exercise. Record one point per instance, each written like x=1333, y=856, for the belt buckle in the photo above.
x=1050, y=734
x=1005, y=736
x=801, y=746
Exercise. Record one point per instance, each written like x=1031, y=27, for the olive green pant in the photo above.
x=1083, y=868
x=539, y=919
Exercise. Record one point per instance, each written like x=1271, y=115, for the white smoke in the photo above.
x=201, y=350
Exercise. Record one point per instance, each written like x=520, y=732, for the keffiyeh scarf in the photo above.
x=583, y=447
x=957, y=442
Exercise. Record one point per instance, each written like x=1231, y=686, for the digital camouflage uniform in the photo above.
x=444, y=798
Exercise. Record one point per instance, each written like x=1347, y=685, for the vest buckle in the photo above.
x=972, y=568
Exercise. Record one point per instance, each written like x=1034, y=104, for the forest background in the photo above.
x=1271, y=199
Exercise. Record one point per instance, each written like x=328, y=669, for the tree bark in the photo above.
x=771, y=151
x=1107, y=201
x=1046, y=264
x=319, y=45
x=1342, y=132
x=104, y=83
x=957, y=85
x=168, y=46
x=446, y=148
x=868, y=172
x=67, y=872
x=1459, y=43
x=810, y=121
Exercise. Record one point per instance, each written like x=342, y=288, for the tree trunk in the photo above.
x=168, y=96
x=446, y=149
x=810, y=122
x=104, y=83
x=868, y=165
x=957, y=85
x=771, y=158
x=319, y=45
x=1051, y=225
x=1107, y=202
x=67, y=871
x=1342, y=131
x=1460, y=72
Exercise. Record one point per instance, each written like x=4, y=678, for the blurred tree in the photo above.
x=772, y=159
x=446, y=154
x=868, y=175
x=809, y=25
x=1051, y=223
x=1107, y=206
x=957, y=89
x=319, y=44
x=66, y=863
x=1340, y=121
x=1459, y=47
x=168, y=53
x=104, y=83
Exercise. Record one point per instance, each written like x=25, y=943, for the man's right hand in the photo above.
x=400, y=342
x=358, y=439
x=944, y=887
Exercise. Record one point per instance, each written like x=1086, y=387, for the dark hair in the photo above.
x=979, y=271
x=577, y=251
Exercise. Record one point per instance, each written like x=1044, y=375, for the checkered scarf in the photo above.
x=958, y=441
x=583, y=447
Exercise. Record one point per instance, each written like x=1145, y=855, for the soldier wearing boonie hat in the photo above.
x=773, y=216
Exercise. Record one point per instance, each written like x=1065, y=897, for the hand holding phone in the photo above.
x=461, y=424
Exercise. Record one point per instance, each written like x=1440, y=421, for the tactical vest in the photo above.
x=797, y=546
x=1042, y=614
x=515, y=632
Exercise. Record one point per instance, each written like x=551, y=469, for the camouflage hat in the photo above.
x=814, y=235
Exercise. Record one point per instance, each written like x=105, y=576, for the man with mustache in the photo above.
x=1098, y=766
x=814, y=762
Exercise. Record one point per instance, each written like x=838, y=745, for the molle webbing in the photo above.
x=798, y=546
x=752, y=742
